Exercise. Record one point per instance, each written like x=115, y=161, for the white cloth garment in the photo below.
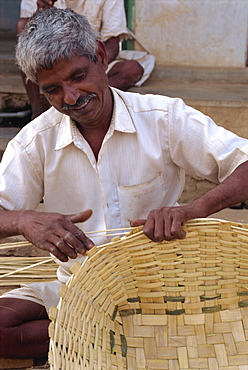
x=45, y=294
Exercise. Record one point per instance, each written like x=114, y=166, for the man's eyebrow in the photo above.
x=76, y=72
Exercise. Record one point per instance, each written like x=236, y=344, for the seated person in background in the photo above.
x=100, y=158
x=108, y=18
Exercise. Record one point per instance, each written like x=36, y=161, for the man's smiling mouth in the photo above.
x=81, y=102
x=82, y=105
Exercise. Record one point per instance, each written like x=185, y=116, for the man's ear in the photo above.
x=102, y=55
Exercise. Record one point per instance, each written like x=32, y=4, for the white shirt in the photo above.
x=150, y=143
x=105, y=16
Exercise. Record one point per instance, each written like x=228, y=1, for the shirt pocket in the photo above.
x=136, y=201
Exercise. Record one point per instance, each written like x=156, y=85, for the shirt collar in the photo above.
x=67, y=133
x=121, y=121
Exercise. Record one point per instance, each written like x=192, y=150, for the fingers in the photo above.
x=135, y=223
x=78, y=233
x=79, y=241
x=165, y=224
x=68, y=245
x=80, y=217
x=176, y=229
x=55, y=251
x=157, y=229
x=72, y=240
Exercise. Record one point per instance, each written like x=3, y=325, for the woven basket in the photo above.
x=135, y=304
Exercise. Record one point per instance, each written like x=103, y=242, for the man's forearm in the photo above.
x=10, y=223
x=234, y=189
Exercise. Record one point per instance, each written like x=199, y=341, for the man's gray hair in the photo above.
x=53, y=35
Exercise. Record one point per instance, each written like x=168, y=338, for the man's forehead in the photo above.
x=72, y=62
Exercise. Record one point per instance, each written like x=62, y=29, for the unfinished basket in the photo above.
x=135, y=304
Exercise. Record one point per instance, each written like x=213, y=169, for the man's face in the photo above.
x=79, y=89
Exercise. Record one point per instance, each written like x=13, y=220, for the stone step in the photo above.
x=212, y=92
x=194, y=74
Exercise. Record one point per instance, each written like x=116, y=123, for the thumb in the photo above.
x=80, y=217
x=135, y=223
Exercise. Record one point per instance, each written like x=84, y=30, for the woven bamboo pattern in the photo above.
x=136, y=304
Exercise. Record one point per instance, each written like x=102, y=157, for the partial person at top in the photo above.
x=126, y=68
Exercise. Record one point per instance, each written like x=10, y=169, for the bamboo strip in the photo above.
x=25, y=268
x=108, y=232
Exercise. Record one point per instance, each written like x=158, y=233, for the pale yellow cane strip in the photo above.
x=107, y=232
x=112, y=234
x=25, y=268
x=15, y=245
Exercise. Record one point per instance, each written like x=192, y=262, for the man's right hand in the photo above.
x=56, y=233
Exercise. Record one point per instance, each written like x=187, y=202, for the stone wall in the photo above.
x=194, y=32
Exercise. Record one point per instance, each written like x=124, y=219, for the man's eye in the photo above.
x=51, y=91
x=79, y=77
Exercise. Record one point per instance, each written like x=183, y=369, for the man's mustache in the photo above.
x=81, y=100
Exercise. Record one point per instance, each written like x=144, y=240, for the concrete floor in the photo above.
x=236, y=215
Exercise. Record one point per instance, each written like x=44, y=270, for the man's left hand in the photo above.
x=166, y=223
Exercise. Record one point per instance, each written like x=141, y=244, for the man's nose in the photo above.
x=70, y=95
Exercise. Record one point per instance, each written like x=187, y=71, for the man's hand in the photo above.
x=166, y=223
x=45, y=4
x=56, y=233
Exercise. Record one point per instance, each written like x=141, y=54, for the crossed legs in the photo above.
x=23, y=329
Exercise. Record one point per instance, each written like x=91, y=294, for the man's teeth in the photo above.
x=83, y=105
